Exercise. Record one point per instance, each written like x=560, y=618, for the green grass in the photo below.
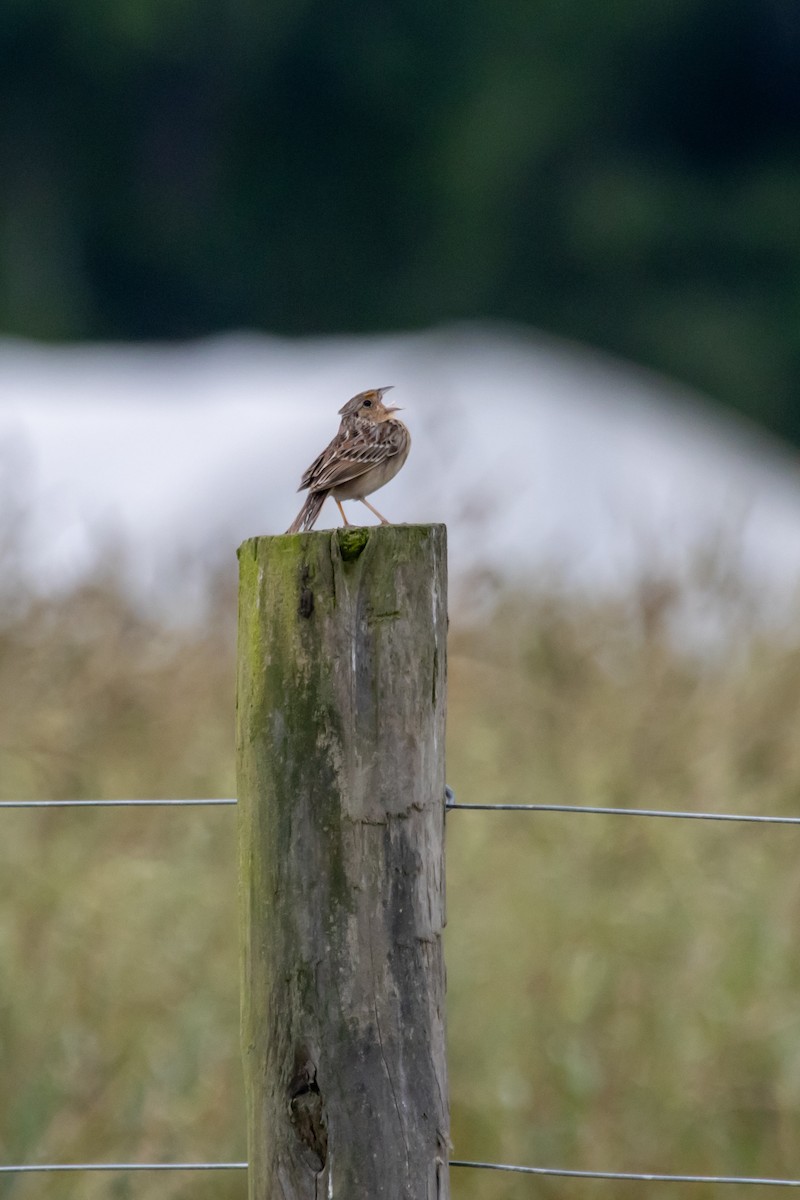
x=623, y=994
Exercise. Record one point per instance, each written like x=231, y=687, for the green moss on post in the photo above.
x=351, y=541
x=340, y=731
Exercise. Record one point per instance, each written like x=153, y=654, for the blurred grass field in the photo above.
x=623, y=993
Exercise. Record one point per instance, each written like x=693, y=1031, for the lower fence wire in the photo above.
x=630, y=1176
x=558, y=1172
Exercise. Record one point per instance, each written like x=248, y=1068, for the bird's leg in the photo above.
x=341, y=510
x=375, y=511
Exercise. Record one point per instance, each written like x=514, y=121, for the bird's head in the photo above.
x=369, y=406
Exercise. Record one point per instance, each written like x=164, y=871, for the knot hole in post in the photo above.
x=307, y=1110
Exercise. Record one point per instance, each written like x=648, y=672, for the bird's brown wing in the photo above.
x=310, y=474
x=352, y=452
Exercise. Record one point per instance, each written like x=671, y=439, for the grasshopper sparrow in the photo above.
x=369, y=449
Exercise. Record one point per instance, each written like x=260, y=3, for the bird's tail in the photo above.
x=308, y=513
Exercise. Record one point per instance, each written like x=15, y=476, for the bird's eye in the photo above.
x=367, y=404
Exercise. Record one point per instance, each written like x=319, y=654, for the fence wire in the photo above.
x=207, y=1166
x=557, y=1172
x=112, y=803
x=630, y=1176
x=594, y=810
x=451, y=804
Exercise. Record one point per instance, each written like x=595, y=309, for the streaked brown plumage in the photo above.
x=369, y=449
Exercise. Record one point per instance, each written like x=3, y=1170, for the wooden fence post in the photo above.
x=340, y=730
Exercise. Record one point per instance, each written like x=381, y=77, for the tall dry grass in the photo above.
x=622, y=993
x=118, y=1002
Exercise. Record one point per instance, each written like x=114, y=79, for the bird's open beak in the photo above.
x=382, y=392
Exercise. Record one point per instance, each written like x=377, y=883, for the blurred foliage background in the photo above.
x=626, y=174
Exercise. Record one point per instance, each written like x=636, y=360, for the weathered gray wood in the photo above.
x=340, y=727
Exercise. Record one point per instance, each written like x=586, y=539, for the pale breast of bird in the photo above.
x=389, y=443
